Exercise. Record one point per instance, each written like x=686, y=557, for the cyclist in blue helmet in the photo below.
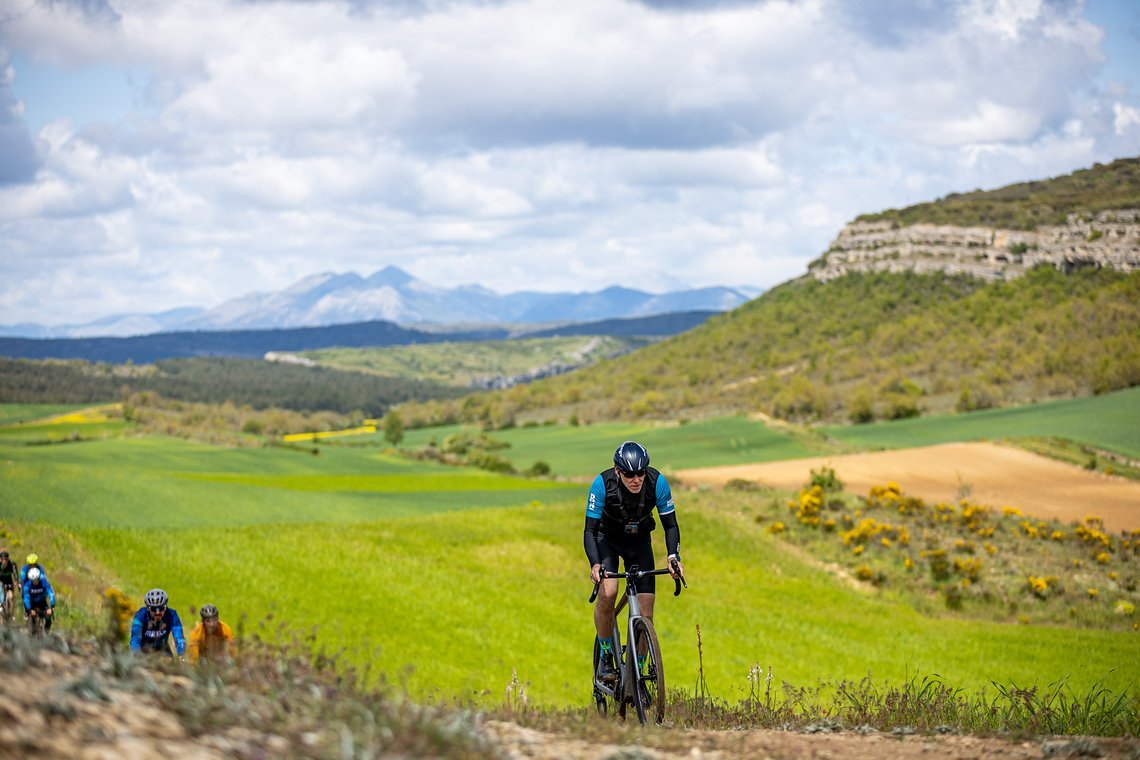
x=619, y=521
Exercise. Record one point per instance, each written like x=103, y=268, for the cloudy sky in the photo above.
x=163, y=153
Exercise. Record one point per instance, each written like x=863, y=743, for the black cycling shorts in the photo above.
x=637, y=552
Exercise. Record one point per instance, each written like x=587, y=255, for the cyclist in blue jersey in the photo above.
x=154, y=624
x=39, y=597
x=619, y=521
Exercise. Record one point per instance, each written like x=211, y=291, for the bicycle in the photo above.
x=7, y=599
x=639, y=682
x=37, y=619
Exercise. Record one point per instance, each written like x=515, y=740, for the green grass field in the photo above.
x=451, y=604
x=585, y=451
x=1111, y=421
x=448, y=580
x=16, y=413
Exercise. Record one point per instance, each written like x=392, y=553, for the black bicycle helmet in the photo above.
x=631, y=457
x=209, y=611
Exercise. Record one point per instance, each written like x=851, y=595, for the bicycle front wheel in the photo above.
x=649, y=691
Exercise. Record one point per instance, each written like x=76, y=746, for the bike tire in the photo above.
x=649, y=682
x=619, y=665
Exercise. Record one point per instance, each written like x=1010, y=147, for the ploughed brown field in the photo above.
x=993, y=475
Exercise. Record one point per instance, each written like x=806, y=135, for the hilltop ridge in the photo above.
x=1109, y=240
x=1087, y=219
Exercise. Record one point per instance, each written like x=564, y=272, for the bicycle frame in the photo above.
x=626, y=658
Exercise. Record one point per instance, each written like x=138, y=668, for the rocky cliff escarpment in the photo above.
x=1108, y=239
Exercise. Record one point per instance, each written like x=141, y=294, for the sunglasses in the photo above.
x=638, y=474
x=157, y=609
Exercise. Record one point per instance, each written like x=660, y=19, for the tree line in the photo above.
x=253, y=382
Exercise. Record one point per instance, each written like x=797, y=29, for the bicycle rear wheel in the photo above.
x=649, y=689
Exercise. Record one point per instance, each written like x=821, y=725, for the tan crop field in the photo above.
x=987, y=473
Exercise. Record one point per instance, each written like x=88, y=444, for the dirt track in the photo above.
x=995, y=475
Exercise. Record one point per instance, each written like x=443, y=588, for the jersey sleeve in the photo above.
x=176, y=631
x=194, y=641
x=665, y=503
x=596, y=499
x=136, y=630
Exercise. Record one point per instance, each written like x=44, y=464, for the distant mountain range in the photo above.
x=393, y=295
x=144, y=349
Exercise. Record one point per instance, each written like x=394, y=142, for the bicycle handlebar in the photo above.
x=638, y=574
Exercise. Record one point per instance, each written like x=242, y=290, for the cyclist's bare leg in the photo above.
x=604, y=608
x=645, y=601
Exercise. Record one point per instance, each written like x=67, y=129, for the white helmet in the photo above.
x=34, y=574
x=156, y=597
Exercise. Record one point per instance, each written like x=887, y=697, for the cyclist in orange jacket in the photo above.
x=211, y=638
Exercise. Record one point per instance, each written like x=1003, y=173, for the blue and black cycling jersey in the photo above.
x=616, y=515
x=153, y=635
x=38, y=596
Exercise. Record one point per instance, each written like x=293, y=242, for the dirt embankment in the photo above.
x=519, y=742
x=69, y=706
x=986, y=473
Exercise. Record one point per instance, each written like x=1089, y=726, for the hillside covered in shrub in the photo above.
x=1028, y=205
x=860, y=348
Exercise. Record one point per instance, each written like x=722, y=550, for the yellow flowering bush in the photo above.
x=1041, y=587
x=954, y=541
x=119, y=610
x=807, y=507
x=968, y=568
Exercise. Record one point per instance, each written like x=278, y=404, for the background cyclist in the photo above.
x=619, y=521
x=39, y=597
x=8, y=574
x=33, y=561
x=154, y=624
x=211, y=638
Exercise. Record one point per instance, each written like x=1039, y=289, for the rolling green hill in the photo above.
x=860, y=348
x=477, y=363
x=447, y=582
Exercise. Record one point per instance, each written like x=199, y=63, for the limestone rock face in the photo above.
x=1109, y=239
